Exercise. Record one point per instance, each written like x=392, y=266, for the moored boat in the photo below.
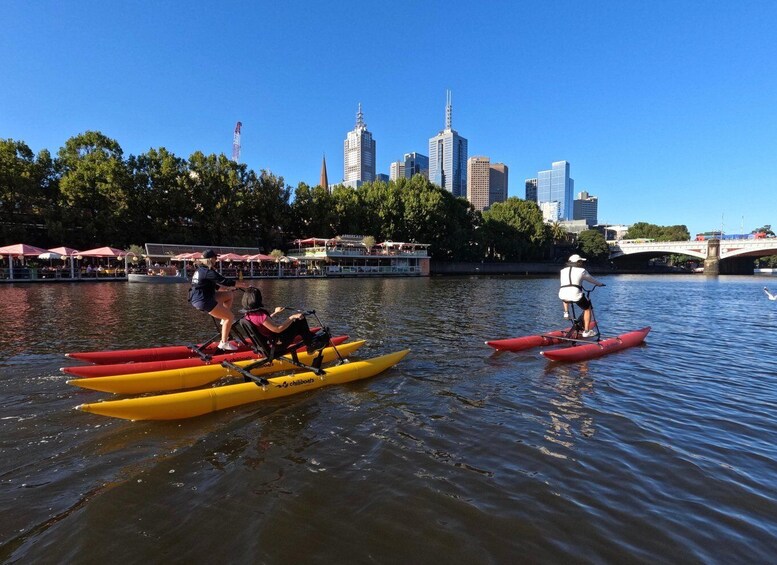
x=584, y=351
x=192, y=377
x=198, y=402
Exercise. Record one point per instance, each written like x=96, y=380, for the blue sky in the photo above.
x=666, y=110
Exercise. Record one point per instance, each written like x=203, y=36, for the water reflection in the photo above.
x=569, y=416
x=506, y=451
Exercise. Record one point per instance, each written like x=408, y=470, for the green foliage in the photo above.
x=513, y=230
x=94, y=186
x=90, y=195
x=767, y=229
x=659, y=233
x=592, y=245
x=27, y=191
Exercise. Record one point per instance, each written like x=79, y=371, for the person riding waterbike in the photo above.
x=571, y=291
x=285, y=333
x=206, y=296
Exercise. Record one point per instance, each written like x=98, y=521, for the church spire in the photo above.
x=324, y=182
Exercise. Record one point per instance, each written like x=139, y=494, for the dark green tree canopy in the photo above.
x=659, y=233
x=592, y=245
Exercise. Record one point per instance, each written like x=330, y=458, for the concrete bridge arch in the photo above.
x=735, y=256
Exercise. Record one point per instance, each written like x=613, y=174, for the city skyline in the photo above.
x=660, y=131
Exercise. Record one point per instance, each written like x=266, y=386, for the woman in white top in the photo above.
x=571, y=278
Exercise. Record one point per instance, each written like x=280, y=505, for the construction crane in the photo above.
x=236, y=143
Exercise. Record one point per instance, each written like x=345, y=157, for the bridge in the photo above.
x=727, y=256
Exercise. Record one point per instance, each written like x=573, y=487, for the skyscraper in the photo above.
x=586, y=207
x=358, y=154
x=416, y=164
x=531, y=190
x=555, y=185
x=486, y=183
x=448, y=156
x=397, y=170
x=478, y=173
x=497, y=183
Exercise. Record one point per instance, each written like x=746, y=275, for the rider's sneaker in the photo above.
x=588, y=333
x=226, y=346
x=566, y=315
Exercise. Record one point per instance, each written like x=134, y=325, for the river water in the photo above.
x=660, y=453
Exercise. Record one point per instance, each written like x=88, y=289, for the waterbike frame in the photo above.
x=250, y=336
x=578, y=323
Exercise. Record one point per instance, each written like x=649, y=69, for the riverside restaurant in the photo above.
x=349, y=256
x=343, y=256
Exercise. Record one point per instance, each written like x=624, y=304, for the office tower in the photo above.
x=324, y=181
x=497, y=183
x=531, y=190
x=555, y=185
x=397, y=170
x=358, y=154
x=381, y=177
x=550, y=211
x=586, y=207
x=486, y=183
x=478, y=173
x=416, y=164
x=448, y=156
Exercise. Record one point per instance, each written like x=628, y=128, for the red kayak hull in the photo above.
x=529, y=341
x=150, y=354
x=586, y=351
x=87, y=371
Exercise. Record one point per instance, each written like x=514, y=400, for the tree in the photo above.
x=28, y=191
x=645, y=230
x=592, y=245
x=94, y=187
x=312, y=212
x=767, y=229
x=513, y=230
x=157, y=185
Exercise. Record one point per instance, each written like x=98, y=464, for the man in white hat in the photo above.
x=572, y=277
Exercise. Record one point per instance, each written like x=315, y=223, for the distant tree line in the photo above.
x=90, y=194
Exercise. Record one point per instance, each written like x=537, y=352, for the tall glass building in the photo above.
x=556, y=186
x=416, y=164
x=448, y=157
x=358, y=154
x=531, y=190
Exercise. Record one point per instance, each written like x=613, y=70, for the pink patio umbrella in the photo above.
x=103, y=252
x=22, y=249
x=260, y=257
x=106, y=252
x=67, y=252
x=231, y=257
x=19, y=250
